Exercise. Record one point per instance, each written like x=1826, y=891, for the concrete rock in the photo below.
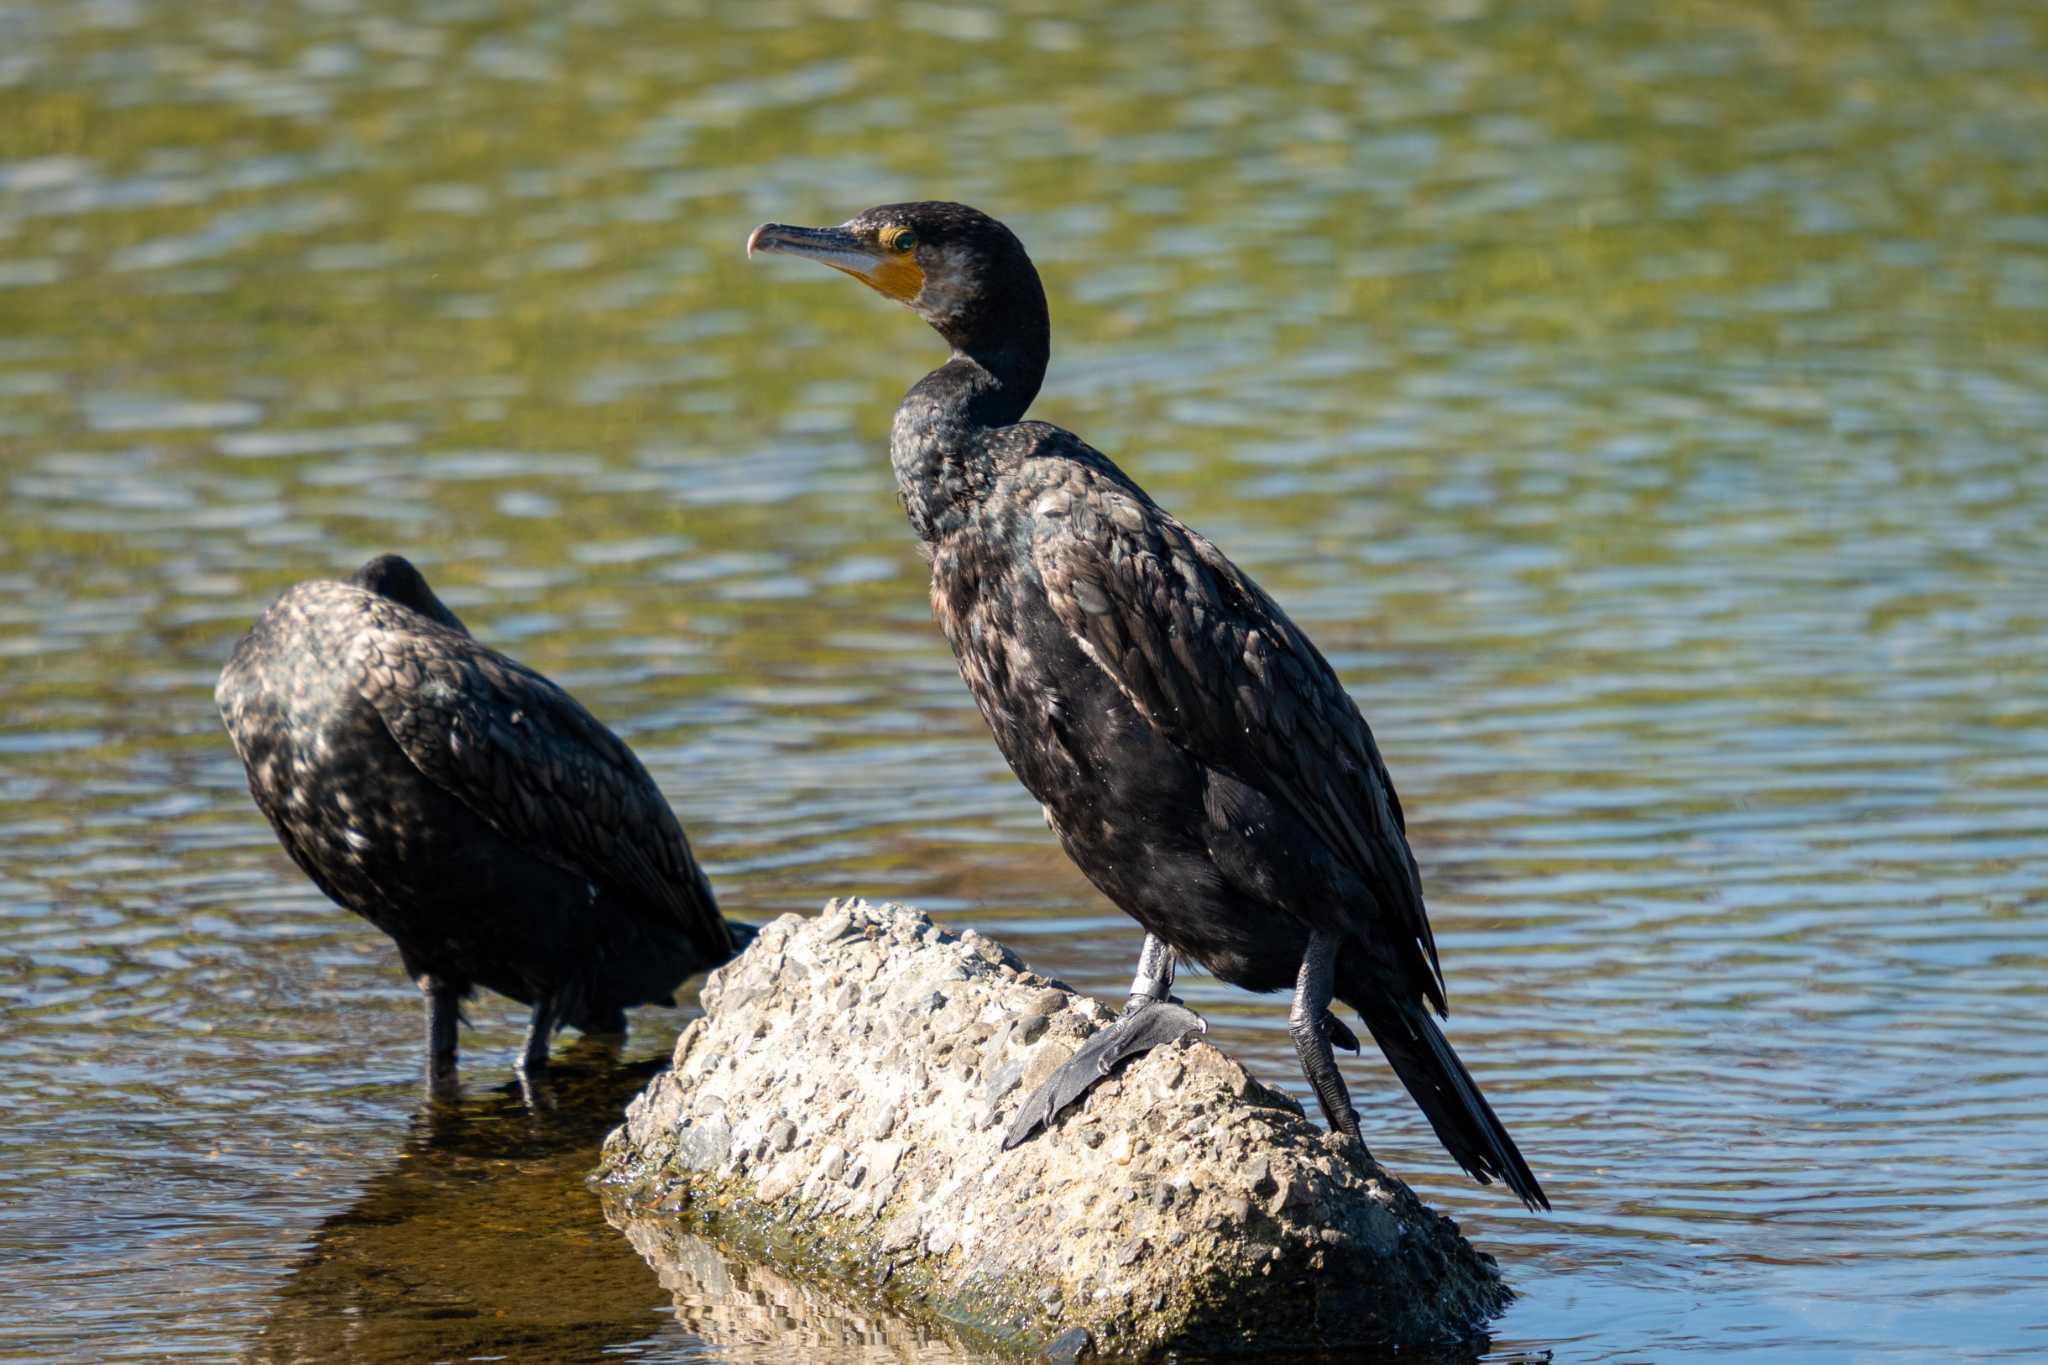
x=1180, y=1206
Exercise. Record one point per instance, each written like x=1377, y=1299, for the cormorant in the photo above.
x=1198, y=758
x=468, y=807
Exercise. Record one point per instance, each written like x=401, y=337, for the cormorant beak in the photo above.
x=894, y=273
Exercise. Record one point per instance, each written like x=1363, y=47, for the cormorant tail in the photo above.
x=1449, y=1098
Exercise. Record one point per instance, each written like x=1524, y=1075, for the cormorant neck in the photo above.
x=998, y=383
x=1001, y=335
x=980, y=394
x=942, y=446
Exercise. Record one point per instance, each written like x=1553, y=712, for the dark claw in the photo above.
x=1339, y=1036
x=1134, y=1032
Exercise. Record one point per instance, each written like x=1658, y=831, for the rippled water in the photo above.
x=1645, y=413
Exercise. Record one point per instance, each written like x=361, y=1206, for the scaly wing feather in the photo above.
x=1206, y=656
x=527, y=757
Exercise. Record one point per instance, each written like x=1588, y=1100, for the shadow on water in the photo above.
x=480, y=1239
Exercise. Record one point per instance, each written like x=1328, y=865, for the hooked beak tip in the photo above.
x=754, y=238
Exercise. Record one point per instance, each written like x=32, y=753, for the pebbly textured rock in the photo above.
x=839, y=1112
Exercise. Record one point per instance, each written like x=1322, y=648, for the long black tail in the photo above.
x=1465, y=1123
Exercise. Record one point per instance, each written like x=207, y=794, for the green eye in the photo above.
x=902, y=239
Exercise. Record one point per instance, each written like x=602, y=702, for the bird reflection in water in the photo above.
x=481, y=1238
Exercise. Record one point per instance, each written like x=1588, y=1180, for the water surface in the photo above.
x=1644, y=413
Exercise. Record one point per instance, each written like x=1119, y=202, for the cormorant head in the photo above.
x=954, y=266
x=394, y=576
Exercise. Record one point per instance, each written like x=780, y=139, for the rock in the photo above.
x=1182, y=1206
x=705, y=1142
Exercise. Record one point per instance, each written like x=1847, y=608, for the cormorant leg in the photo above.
x=444, y=1012
x=1154, y=978
x=1149, y=1019
x=1309, y=1021
x=539, y=1029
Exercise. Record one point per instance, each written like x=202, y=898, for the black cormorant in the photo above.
x=468, y=807
x=1196, y=755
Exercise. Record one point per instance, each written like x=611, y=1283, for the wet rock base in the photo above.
x=839, y=1113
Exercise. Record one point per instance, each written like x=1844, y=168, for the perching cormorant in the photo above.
x=468, y=807
x=1198, y=758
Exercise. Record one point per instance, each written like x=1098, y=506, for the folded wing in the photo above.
x=526, y=756
x=1207, y=657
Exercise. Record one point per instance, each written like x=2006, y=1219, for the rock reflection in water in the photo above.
x=753, y=1315
x=756, y=1315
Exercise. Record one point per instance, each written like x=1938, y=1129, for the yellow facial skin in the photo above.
x=896, y=274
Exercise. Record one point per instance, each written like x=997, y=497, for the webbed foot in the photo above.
x=1137, y=1030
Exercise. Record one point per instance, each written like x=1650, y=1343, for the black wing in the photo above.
x=1206, y=656
x=527, y=757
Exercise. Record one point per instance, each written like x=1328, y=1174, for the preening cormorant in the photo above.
x=468, y=807
x=1198, y=758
